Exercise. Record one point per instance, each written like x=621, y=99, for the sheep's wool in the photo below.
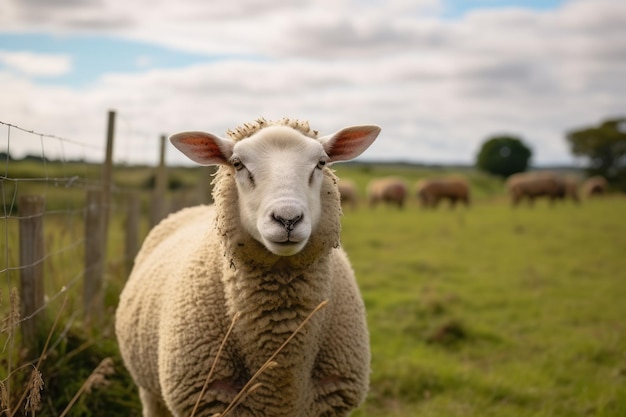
x=198, y=268
x=248, y=129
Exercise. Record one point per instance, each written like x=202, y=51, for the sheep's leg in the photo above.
x=341, y=370
x=152, y=405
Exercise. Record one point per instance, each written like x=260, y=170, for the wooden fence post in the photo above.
x=132, y=229
x=107, y=175
x=96, y=232
x=93, y=302
x=31, y=208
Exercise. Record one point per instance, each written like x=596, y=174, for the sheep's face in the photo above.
x=279, y=174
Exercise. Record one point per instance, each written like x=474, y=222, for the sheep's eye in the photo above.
x=321, y=164
x=237, y=164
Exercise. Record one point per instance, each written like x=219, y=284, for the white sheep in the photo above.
x=268, y=250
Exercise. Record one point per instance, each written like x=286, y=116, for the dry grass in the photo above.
x=97, y=379
x=31, y=395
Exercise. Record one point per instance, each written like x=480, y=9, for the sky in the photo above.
x=439, y=76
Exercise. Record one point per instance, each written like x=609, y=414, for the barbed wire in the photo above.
x=46, y=179
x=47, y=135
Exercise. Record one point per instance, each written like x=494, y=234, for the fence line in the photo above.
x=67, y=208
x=50, y=136
x=32, y=254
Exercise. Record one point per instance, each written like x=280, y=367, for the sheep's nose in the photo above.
x=288, y=224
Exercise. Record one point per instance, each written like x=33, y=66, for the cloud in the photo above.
x=62, y=16
x=35, y=64
x=438, y=87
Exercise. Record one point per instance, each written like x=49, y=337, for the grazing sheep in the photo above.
x=390, y=190
x=531, y=185
x=431, y=191
x=348, y=193
x=595, y=186
x=268, y=251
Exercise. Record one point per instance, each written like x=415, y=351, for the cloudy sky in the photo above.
x=439, y=76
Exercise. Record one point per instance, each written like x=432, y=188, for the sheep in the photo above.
x=431, y=191
x=548, y=184
x=390, y=190
x=348, y=193
x=531, y=185
x=595, y=186
x=268, y=251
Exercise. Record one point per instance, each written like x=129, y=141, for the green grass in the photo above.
x=494, y=311
x=486, y=311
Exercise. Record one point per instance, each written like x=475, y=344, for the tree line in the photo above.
x=603, y=147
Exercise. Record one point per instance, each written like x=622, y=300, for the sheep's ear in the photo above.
x=350, y=142
x=203, y=148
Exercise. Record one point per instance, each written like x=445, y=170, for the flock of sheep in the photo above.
x=395, y=191
x=523, y=186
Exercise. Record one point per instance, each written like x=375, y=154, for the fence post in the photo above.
x=107, y=176
x=96, y=232
x=94, y=256
x=160, y=187
x=132, y=229
x=31, y=208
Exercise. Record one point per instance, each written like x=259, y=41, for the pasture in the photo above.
x=486, y=311
x=493, y=311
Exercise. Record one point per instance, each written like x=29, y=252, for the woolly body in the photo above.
x=390, y=190
x=531, y=185
x=431, y=191
x=200, y=267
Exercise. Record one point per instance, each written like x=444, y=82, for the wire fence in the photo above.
x=68, y=229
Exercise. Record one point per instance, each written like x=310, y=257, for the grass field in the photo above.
x=493, y=311
x=486, y=311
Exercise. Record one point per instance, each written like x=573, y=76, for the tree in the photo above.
x=605, y=146
x=503, y=156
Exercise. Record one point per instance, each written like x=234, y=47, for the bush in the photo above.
x=503, y=156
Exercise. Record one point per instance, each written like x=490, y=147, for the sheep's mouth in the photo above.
x=289, y=240
x=287, y=243
x=285, y=247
